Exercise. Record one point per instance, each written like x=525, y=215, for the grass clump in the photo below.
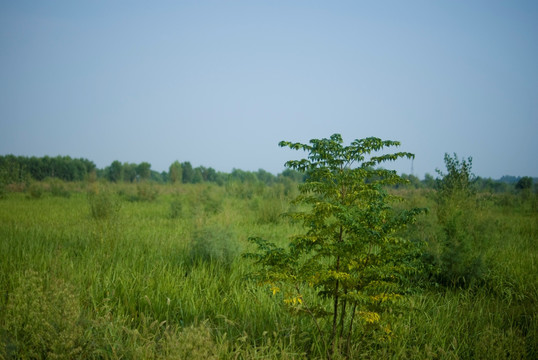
x=213, y=243
x=193, y=342
x=34, y=191
x=457, y=260
x=42, y=320
x=103, y=204
x=57, y=188
x=176, y=208
x=146, y=192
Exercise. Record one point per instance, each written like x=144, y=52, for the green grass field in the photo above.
x=145, y=271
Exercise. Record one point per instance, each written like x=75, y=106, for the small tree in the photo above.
x=459, y=179
x=525, y=183
x=144, y=170
x=188, y=172
x=175, y=172
x=350, y=252
x=114, y=171
x=129, y=172
x=458, y=264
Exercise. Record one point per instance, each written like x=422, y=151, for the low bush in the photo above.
x=268, y=210
x=176, y=208
x=34, y=191
x=103, y=204
x=57, y=188
x=146, y=192
x=458, y=262
x=213, y=243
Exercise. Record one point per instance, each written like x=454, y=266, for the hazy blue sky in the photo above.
x=220, y=83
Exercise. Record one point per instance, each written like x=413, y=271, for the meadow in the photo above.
x=98, y=270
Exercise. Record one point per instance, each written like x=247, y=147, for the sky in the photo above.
x=220, y=83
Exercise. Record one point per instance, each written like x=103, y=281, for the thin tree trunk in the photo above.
x=336, y=298
x=343, y=315
x=335, y=314
x=348, y=347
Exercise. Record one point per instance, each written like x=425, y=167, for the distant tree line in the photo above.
x=478, y=183
x=16, y=169
x=186, y=174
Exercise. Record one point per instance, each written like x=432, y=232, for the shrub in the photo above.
x=176, y=208
x=146, y=192
x=57, y=188
x=457, y=262
x=525, y=183
x=204, y=199
x=212, y=201
x=103, y=204
x=268, y=210
x=35, y=191
x=213, y=243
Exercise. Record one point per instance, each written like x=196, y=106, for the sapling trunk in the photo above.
x=348, y=346
x=336, y=290
x=343, y=315
x=335, y=314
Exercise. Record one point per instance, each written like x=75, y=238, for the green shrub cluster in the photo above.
x=146, y=192
x=57, y=188
x=176, y=208
x=452, y=250
x=35, y=190
x=103, y=203
x=213, y=243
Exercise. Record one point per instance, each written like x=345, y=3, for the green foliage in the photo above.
x=176, y=208
x=213, y=243
x=458, y=180
x=457, y=262
x=193, y=342
x=143, y=170
x=268, y=209
x=20, y=168
x=42, y=320
x=114, y=171
x=57, y=188
x=524, y=183
x=129, y=172
x=350, y=252
x=208, y=200
x=103, y=204
x=187, y=172
x=146, y=192
x=175, y=172
x=35, y=190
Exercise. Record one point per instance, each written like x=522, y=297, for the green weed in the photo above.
x=42, y=319
x=103, y=204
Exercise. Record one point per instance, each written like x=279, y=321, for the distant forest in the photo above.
x=18, y=169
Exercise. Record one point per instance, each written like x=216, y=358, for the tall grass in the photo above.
x=100, y=277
